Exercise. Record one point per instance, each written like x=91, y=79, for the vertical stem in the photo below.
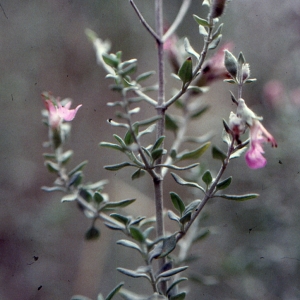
x=158, y=184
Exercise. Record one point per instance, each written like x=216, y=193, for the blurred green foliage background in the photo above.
x=254, y=249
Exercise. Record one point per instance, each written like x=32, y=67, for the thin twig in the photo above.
x=146, y=25
x=146, y=97
x=158, y=184
x=209, y=193
x=182, y=12
x=207, y=41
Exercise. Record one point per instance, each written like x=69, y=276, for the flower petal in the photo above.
x=254, y=157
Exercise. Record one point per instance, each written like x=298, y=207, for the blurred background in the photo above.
x=254, y=249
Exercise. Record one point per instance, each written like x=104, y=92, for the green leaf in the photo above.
x=195, y=154
x=127, y=70
x=51, y=166
x=145, y=76
x=156, y=154
x=75, y=179
x=98, y=197
x=238, y=197
x=226, y=126
x=218, y=154
x=111, y=60
x=241, y=59
x=66, y=156
x=150, y=129
x=137, y=234
x=192, y=206
x=177, y=202
x=218, y=31
x=168, y=246
x=201, y=21
x=173, y=154
x=114, y=226
x=171, y=123
x=185, y=218
x=148, y=121
x=199, y=112
x=158, y=142
x=78, y=168
x=185, y=72
x=122, y=203
x=112, y=146
x=49, y=155
x=53, y=188
x=117, y=167
x=137, y=174
x=233, y=98
x=117, y=124
x=231, y=64
x=96, y=185
x=69, y=198
x=120, y=218
x=129, y=244
x=250, y=80
x=129, y=138
x=181, y=181
x=238, y=153
x=224, y=184
x=173, y=167
x=120, y=141
x=134, y=274
x=203, y=31
x=189, y=49
x=147, y=152
x=173, y=216
x=171, y=272
x=180, y=296
x=176, y=282
x=230, y=81
x=92, y=234
x=114, y=291
x=207, y=178
x=214, y=44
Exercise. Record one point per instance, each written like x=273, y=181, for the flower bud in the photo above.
x=245, y=72
x=217, y=8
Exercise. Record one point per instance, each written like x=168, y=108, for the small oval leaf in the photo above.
x=185, y=72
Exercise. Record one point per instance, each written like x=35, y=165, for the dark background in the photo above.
x=254, y=251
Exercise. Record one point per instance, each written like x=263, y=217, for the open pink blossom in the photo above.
x=59, y=113
x=258, y=135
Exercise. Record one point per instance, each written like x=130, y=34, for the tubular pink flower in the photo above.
x=59, y=113
x=258, y=135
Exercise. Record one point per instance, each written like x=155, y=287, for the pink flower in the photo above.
x=59, y=113
x=258, y=135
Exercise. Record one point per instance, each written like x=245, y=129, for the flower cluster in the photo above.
x=57, y=113
x=246, y=118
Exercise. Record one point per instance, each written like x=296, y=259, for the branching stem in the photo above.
x=146, y=25
x=207, y=41
x=210, y=192
x=178, y=20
